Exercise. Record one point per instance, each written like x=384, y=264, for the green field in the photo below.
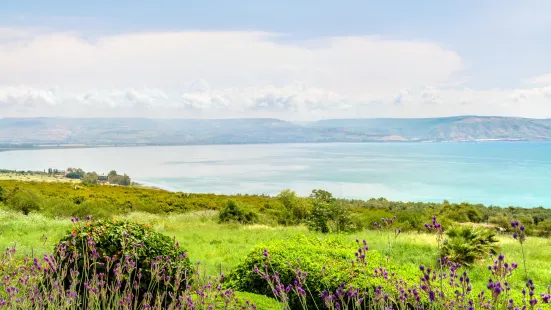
x=194, y=222
x=224, y=246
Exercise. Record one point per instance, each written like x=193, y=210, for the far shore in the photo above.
x=85, y=146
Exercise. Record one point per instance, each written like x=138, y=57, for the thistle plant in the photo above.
x=447, y=286
x=386, y=226
x=519, y=233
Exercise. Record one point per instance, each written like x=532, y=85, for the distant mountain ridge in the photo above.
x=142, y=131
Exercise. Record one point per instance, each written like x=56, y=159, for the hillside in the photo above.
x=131, y=131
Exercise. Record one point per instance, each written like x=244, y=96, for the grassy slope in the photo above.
x=227, y=245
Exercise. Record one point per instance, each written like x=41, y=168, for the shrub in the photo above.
x=467, y=244
x=326, y=262
x=90, y=178
x=295, y=209
x=328, y=214
x=24, y=201
x=38, y=284
x=121, y=244
x=234, y=213
x=544, y=228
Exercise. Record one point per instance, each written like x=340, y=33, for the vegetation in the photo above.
x=82, y=274
x=234, y=213
x=320, y=211
x=279, y=260
x=467, y=244
x=23, y=200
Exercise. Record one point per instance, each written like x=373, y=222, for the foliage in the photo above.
x=544, y=228
x=328, y=215
x=328, y=264
x=442, y=286
x=120, y=180
x=320, y=211
x=90, y=178
x=75, y=173
x=295, y=209
x=115, y=241
x=24, y=201
x=234, y=213
x=467, y=244
x=78, y=277
x=260, y=301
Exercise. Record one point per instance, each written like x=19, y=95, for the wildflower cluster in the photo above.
x=446, y=285
x=80, y=276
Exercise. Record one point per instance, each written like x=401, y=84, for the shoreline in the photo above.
x=131, y=145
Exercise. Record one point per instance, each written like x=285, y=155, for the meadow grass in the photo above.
x=221, y=247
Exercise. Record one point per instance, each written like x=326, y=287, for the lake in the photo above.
x=498, y=173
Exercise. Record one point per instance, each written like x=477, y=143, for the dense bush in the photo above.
x=328, y=264
x=24, y=201
x=235, y=213
x=115, y=243
x=77, y=276
x=329, y=215
x=295, y=210
x=467, y=244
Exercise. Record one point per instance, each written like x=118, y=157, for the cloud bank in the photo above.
x=243, y=74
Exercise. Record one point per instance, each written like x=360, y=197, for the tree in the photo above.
x=328, y=214
x=319, y=217
x=24, y=201
x=90, y=178
x=322, y=195
x=120, y=179
x=112, y=173
x=75, y=173
x=234, y=213
x=2, y=192
x=296, y=209
x=125, y=180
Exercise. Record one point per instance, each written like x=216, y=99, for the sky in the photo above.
x=294, y=60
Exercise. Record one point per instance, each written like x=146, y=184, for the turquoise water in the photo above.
x=498, y=173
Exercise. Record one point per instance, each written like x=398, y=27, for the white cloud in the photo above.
x=544, y=79
x=224, y=59
x=242, y=74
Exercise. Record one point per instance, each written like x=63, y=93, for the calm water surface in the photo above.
x=491, y=173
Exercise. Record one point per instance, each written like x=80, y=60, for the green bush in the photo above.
x=24, y=201
x=326, y=262
x=118, y=241
x=234, y=213
x=328, y=214
x=544, y=228
x=294, y=209
x=467, y=244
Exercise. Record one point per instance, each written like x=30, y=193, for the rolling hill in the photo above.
x=136, y=131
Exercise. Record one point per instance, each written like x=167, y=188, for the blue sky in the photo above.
x=309, y=59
